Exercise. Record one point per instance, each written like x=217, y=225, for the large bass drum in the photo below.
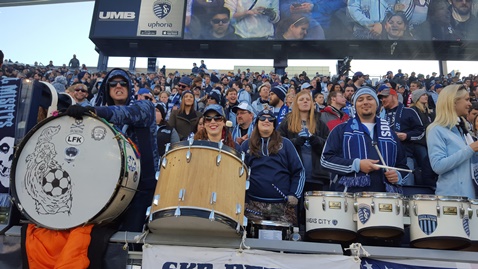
x=201, y=187
x=70, y=172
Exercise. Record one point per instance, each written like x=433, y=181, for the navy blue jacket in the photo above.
x=284, y=170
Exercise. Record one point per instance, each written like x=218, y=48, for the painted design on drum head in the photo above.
x=71, y=153
x=98, y=133
x=363, y=213
x=427, y=223
x=466, y=225
x=131, y=164
x=77, y=127
x=45, y=180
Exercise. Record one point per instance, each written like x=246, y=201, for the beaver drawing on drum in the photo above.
x=45, y=180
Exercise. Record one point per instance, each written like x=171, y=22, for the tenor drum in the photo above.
x=329, y=216
x=379, y=214
x=473, y=225
x=271, y=230
x=201, y=187
x=439, y=222
x=70, y=172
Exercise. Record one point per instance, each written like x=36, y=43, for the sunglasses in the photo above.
x=270, y=119
x=217, y=21
x=148, y=98
x=81, y=90
x=215, y=118
x=114, y=83
x=183, y=86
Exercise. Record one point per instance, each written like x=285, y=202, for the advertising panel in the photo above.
x=161, y=18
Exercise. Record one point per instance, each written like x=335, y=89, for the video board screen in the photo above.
x=440, y=20
x=282, y=20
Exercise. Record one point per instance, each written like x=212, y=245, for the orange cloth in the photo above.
x=48, y=249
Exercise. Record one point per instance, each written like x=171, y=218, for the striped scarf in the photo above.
x=354, y=146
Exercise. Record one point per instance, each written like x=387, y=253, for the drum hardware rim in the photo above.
x=330, y=194
x=427, y=197
x=377, y=195
x=467, y=241
x=193, y=212
x=205, y=145
x=273, y=223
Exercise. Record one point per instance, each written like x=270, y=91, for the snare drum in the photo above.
x=379, y=214
x=70, y=172
x=439, y=222
x=473, y=225
x=271, y=230
x=201, y=187
x=329, y=216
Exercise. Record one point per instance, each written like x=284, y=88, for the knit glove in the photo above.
x=292, y=200
x=77, y=111
x=299, y=141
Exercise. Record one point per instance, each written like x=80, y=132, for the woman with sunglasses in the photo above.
x=277, y=175
x=452, y=150
x=214, y=129
x=185, y=118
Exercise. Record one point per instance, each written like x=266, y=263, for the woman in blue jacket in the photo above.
x=277, y=174
x=451, y=148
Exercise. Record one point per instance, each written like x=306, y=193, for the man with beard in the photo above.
x=276, y=101
x=353, y=163
x=231, y=97
x=348, y=93
x=463, y=22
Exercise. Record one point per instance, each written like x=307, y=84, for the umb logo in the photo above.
x=117, y=15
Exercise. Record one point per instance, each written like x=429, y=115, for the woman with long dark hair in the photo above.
x=215, y=126
x=277, y=175
x=185, y=118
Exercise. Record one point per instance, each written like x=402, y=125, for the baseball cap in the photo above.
x=216, y=108
x=243, y=106
x=305, y=86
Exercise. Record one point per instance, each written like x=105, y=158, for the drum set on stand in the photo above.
x=201, y=188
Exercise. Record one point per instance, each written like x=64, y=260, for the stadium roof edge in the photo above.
x=14, y=3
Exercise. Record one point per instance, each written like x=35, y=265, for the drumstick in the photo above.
x=394, y=168
x=279, y=191
x=379, y=154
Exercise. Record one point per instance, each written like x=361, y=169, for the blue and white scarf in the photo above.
x=354, y=146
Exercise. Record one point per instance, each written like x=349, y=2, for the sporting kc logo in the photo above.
x=161, y=8
x=428, y=223
x=363, y=213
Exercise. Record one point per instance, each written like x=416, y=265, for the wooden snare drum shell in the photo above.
x=198, y=179
x=329, y=216
x=379, y=214
x=443, y=218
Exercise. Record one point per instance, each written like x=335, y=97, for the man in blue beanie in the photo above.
x=355, y=147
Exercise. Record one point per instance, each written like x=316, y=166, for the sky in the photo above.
x=57, y=31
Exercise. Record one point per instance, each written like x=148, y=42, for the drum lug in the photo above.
x=241, y=171
x=438, y=210
x=188, y=154
x=346, y=205
x=397, y=205
x=323, y=204
x=164, y=162
x=248, y=184
x=245, y=221
x=415, y=208
x=372, y=206
x=238, y=209
x=167, y=146
x=306, y=204
x=213, y=198
x=182, y=193
x=470, y=213
x=356, y=207
x=462, y=211
x=218, y=158
x=156, y=199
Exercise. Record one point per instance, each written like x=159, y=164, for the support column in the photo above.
x=442, y=65
x=132, y=64
x=102, y=62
